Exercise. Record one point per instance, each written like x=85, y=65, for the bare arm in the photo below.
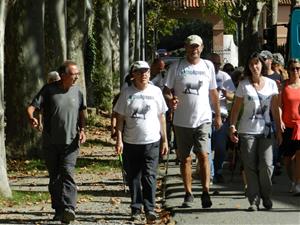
x=163, y=132
x=277, y=118
x=82, y=136
x=34, y=122
x=119, y=142
x=235, y=110
x=214, y=97
x=172, y=100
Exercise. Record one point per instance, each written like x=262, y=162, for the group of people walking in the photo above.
x=193, y=93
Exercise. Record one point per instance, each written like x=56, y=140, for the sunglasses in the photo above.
x=294, y=68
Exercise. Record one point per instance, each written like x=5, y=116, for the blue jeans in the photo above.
x=219, y=145
x=140, y=163
x=60, y=161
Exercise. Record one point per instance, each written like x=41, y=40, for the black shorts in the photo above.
x=289, y=146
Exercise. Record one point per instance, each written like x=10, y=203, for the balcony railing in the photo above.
x=180, y=4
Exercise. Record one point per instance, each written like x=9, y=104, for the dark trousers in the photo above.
x=140, y=164
x=60, y=161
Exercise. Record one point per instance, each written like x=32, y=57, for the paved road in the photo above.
x=230, y=205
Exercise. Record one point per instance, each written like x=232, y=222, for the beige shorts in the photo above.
x=197, y=139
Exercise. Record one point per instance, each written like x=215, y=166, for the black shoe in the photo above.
x=267, y=203
x=68, y=216
x=188, y=200
x=136, y=214
x=205, y=200
x=57, y=216
x=151, y=217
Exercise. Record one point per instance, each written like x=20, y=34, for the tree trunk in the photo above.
x=102, y=73
x=4, y=185
x=55, y=34
x=77, y=27
x=24, y=74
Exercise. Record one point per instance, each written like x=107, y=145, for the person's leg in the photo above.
x=297, y=172
x=203, y=158
x=132, y=161
x=202, y=140
x=184, y=139
x=67, y=169
x=250, y=163
x=149, y=171
x=265, y=169
x=52, y=161
x=219, y=139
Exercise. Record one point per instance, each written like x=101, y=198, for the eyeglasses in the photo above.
x=294, y=68
x=142, y=71
x=74, y=74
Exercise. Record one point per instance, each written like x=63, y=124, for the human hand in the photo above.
x=164, y=148
x=119, y=147
x=82, y=137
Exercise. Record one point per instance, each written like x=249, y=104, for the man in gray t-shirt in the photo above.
x=62, y=106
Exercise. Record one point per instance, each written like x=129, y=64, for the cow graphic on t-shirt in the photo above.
x=140, y=110
x=192, y=86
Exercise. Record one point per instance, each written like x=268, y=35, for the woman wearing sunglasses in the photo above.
x=290, y=104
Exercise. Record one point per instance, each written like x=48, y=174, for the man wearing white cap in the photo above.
x=193, y=82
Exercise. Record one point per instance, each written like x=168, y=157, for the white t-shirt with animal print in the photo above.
x=141, y=110
x=256, y=111
x=191, y=84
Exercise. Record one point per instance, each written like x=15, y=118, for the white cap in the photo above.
x=194, y=39
x=140, y=65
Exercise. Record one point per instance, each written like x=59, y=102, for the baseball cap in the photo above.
x=278, y=59
x=140, y=65
x=266, y=54
x=194, y=39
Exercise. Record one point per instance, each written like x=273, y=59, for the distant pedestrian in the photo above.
x=51, y=77
x=290, y=104
x=141, y=137
x=219, y=143
x=190, y=86
x=63, y=108
x=258, y=95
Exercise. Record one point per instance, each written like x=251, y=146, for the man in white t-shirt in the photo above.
x=193, y=82
x=226, y=91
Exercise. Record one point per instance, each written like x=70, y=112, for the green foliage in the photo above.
x=218, y=8
x=24, y=198
x=94, y=165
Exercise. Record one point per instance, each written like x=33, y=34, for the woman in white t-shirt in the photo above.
x=141, y=136
x=258, y=95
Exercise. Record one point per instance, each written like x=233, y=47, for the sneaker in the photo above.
x=188, y=200
x=297, y=190
x=292, y=187
x=68, y=216
x=253, y=208
x=136, y=214
x=267, y=203
x=150, y=217
x=205, y=200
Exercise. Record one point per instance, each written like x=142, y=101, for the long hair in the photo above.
x=258, y=57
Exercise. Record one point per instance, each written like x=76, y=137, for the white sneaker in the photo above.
x=297, y=190
x=292, y=187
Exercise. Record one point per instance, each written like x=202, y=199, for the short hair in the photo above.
x=63, y=68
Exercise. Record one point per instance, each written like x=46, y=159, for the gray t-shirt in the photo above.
x=60, y=112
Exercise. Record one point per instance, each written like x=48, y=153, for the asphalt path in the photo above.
x=229, y=202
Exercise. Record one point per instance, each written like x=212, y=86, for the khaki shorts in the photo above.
x=197, y=139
